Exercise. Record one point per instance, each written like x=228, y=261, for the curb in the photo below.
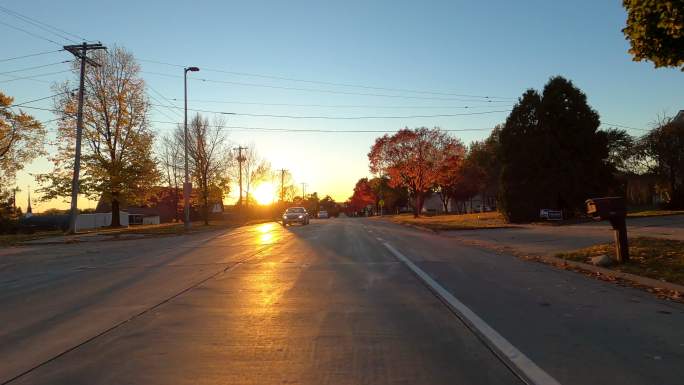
x=421, y=228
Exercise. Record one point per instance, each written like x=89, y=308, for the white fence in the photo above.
x=97, y=220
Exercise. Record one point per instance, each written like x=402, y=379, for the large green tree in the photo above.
x=21, y=141
x=117, y=161
x=655, y=29
x=662, y=150
x=483, y=166
x=552, y=153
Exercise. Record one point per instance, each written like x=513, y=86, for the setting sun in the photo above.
x=264, y=193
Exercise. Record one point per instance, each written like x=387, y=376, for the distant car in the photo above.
x=295, y=215
x=323, y=214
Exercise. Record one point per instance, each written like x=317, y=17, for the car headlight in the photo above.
x=301, y=216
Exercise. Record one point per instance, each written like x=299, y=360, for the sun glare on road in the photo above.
x=266, y=231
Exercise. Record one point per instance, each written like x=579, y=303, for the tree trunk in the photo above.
x=116, y=220
x=674, y=198
x=206, y=208
x=176, y=201
x=418, y=207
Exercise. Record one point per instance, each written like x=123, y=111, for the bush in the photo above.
x=8, y=226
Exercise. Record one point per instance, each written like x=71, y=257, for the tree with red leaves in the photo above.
x=363, y=197
x=450, y=169
x=413, y=159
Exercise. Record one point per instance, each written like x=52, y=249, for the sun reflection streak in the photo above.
x=265, y=233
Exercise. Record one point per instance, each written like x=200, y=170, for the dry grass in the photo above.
x=13, y=239
x=488, y=220
x=661, y=259
x=654, y=213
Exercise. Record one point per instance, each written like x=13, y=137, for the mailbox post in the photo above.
x=614, y=210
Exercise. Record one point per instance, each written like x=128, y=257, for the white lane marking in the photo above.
x=379, y=239
x=521, y=363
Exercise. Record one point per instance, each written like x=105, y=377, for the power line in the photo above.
x=37, y=100
x=42, y=25
x=623, y=126
x=309, y=89
x=336, y=117
x=164, y=113
x=165, y=98
x=32, y=77
x=29, y=33
x=35, y=67
x=274, y=77
x=31, y=55
x=323, y=130
x=244, y=128
x=488, y=104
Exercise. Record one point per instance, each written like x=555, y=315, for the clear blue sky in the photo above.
x=495, y=48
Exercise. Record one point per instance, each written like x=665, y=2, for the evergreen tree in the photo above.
x=553, y=155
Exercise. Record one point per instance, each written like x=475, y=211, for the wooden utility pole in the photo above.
x=240, y=159
x=282, y=184
x=14, y=201
x=303, y=191
x=80, y=51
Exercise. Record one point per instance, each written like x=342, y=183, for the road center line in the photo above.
x=520, y=364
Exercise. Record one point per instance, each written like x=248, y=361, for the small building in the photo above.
x=98, y=220
x=679, y=117
x=433, y=205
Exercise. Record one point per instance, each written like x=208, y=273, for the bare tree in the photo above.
x=171, y=160
x=209, y=160
x=255, y=170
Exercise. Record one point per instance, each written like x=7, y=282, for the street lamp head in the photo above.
x=192, y=69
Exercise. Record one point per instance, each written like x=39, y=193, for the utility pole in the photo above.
x=303, y=191
x=240, y=159
x=282, y=184
x=187, y=186
x=14, y=200
x=81, y=52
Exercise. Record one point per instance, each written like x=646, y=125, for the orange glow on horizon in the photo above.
x=265, y=193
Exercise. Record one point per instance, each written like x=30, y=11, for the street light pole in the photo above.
x=187, y=186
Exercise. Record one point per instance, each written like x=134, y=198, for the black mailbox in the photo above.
x=614, y=210
x=606, y=208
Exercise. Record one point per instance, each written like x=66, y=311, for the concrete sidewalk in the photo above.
x=545, y=240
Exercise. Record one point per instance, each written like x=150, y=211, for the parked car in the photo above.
x=295, y=215
x=323, y=214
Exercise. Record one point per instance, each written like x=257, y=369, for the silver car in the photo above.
x=295, y=215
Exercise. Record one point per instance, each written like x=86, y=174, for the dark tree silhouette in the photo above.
x=552, y=153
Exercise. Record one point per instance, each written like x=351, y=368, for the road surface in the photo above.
x=341, y=301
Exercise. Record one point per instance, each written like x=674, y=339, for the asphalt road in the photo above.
x=328, y=303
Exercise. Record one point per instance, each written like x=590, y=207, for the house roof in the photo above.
x=679, y=116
